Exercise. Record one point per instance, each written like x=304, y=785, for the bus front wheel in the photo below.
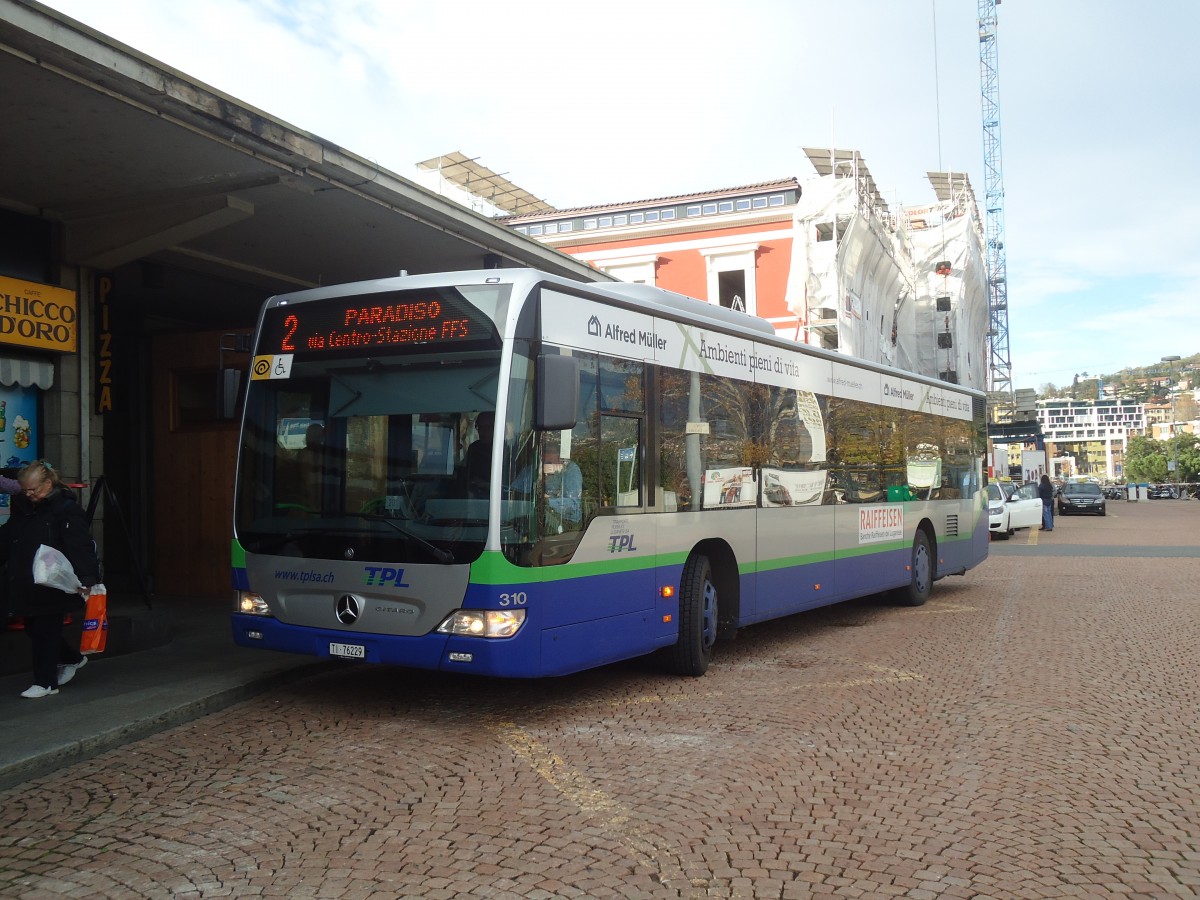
x=921, y=571
x=697, y=618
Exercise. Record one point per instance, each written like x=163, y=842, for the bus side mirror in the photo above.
x=557, y=393
x=230, y=383
x=231, y=390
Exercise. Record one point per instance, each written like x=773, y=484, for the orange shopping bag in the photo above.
x=95, y=621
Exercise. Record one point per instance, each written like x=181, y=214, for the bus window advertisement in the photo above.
x=784, y=488
x=880, y=523
x=728, y=488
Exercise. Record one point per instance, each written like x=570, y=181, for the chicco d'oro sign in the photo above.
x=38, y=315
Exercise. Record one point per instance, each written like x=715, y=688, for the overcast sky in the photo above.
x=583, y=103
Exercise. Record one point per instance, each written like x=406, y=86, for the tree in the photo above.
x=1185, y=448
x=1146, y=459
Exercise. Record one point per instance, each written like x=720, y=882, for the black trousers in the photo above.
x=49, y=648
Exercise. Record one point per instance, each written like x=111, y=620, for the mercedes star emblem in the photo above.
x=348, y=609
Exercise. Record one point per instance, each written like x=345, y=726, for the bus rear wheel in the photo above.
x=922, y=572
x=697, y=618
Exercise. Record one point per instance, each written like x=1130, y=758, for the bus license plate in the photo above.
x=348, y=651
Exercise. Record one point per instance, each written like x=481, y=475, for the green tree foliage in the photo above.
x=1146, y=459
x=1187, y=447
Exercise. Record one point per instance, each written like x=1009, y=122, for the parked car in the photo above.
x=1026, y=503
x=1081, y=497
x=1010, y=508
x=1162, y=492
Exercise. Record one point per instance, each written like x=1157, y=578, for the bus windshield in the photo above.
x=370, y=450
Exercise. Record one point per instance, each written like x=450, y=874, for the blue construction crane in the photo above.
x=999, y=362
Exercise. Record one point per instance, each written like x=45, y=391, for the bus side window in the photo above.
x=681, y=440
x=621, y=477
x=622, y=390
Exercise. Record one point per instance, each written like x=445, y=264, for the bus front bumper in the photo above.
x=439, y=652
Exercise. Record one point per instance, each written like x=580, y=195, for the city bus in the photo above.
x=513, y=474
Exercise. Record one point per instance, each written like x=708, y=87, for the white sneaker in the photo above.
x=67, y=672
x=36, y=691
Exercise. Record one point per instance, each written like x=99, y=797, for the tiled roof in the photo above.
x=777, y=184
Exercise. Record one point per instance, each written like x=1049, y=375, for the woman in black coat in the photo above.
x=45, y=512
x=1046, y=492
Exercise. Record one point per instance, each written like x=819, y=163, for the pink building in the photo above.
x=730, y=246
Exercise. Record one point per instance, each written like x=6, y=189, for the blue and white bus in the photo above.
x=513, y=474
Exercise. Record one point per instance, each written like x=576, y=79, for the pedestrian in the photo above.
x=46, y=512
x=1046, y=492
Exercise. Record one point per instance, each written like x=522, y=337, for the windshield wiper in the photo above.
x=436, y=552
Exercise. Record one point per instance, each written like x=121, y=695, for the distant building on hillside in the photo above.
x=1158, y=412
x=1094, y=433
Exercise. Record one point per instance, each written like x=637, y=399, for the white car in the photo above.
x=1010, y=508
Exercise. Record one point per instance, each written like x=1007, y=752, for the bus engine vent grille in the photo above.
x=951, y=526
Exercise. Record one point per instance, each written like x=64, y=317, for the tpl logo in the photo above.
x=380, y=576
x=619, y=543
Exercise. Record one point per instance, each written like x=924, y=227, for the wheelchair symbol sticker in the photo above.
x=267, y=367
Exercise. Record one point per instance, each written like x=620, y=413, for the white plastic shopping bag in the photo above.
x=53, y=569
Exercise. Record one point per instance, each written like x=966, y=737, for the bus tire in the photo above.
x=697, y=618
x=922, y=573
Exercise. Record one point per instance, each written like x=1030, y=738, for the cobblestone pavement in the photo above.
x=1031, y=732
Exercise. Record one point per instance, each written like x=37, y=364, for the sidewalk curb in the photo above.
x=65, y=753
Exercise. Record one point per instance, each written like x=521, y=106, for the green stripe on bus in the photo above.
x=237, y=554
x=494, y=568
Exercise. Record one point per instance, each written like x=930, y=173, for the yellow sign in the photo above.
x=267, y=367
x=38, y=315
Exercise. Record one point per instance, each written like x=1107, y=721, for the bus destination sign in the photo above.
x=373, y=323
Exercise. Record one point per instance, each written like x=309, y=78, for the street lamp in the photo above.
x=1170, y=361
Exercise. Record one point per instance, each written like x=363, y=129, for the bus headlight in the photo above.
x=251, y=604
x=485, y=623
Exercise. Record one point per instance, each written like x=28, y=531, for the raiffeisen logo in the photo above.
x=383, y=576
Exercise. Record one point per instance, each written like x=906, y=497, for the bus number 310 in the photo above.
x=516, y=598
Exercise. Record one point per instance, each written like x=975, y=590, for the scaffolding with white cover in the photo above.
x=906, y=288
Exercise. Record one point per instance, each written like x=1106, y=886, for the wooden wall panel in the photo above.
x=194, y=463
